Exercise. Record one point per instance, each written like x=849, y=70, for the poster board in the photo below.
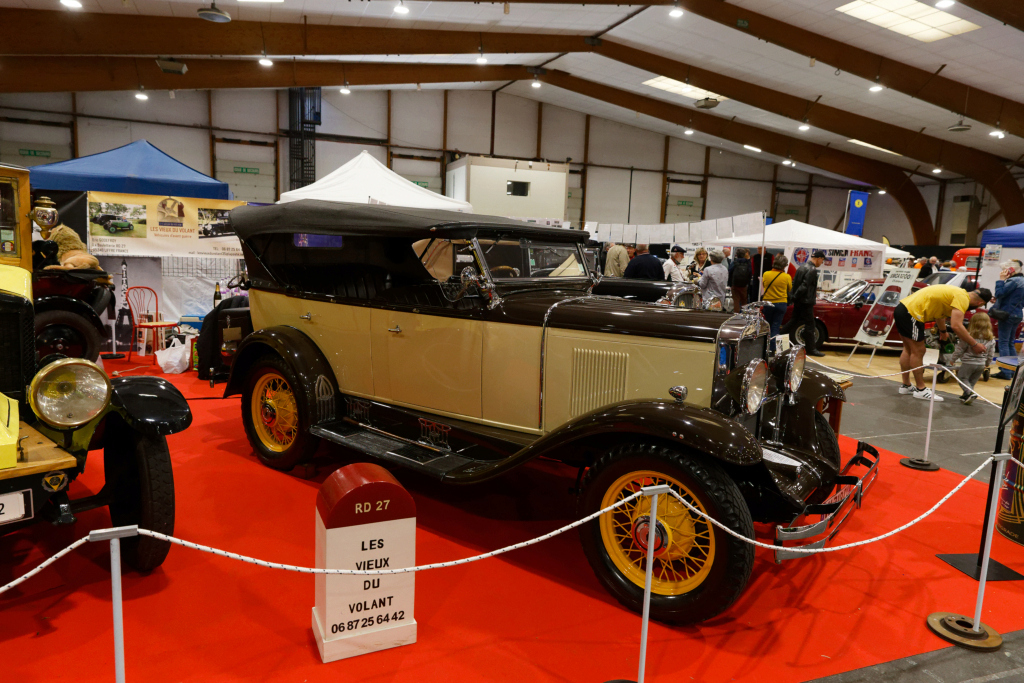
x=153, y=225
x=682, y=233
x=629, y=234
x=724, y=228
x=879, y=319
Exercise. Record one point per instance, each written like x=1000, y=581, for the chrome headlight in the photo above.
x=69, y=392
x=788, y=368
x=755, y=383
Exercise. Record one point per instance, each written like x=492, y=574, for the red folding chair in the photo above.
x=143, y=303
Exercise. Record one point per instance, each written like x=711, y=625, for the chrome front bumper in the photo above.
x=833, y=512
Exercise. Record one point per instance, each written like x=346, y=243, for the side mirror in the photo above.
x=859, y=304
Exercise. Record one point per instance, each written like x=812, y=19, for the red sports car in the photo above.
x=879, y=320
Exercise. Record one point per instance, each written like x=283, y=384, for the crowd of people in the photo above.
x=762, y=276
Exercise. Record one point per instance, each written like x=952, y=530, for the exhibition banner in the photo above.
x=879, y=320
x=857, y=209
x=149, y=225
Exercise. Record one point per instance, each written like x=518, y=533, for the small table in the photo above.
x=1008, y=363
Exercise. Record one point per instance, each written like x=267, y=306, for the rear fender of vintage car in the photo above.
x=303, y=357
x=700, y=430
x=58, y=302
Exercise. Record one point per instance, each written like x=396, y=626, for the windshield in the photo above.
x=848, y=293
x=521, y=259
x=940, y=278
x=889, y=298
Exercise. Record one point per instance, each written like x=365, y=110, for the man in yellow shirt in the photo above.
x=938, y=304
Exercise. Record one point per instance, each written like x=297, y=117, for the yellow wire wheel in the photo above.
x=684, y=548
x=275, y=413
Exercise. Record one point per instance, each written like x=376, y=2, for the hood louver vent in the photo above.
x=598, y=379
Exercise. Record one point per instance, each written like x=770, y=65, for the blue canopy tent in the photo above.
x=1011, y=237
x=136, y=168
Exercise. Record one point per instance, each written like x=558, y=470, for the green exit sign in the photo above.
x=247, y=169
x=34, y=153
x=792, y=212
x=421, y=183
x=683, y=202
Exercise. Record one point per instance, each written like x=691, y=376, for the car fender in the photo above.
x=150, y=405
x=316, y=377
x=72, y=305
x=700, y=429
x=817, y=385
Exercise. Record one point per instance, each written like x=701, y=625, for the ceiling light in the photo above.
x=400, y=8
x=141, y=96
x=506, y=8
x=959, y=127
x=688, y=132
x=751, y=148
x=998, y=134
x=536, y=83
x=805, y=127
x=876, y=88
x=481, y=60
x=266, y=62
x=344, y=89
x=936, y=170
x=945, y=4
x=909, y=18
x=679, y=88
x=880, y=149
x=676, y=11
x=214, y=14
x=881, y=192
x=787, y=162
x=73, y=4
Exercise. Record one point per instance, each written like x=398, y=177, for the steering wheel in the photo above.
x=515, y=271
x=239, y=281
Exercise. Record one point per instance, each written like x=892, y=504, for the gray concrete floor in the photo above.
x=962, y=438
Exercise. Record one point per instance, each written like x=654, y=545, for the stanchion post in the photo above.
x=923, y=463
x=115, y=591
x=956, y=628
x=652, y=493
x=114, y=536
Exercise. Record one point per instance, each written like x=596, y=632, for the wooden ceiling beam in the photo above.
x=880, y=174
x=84, y=33
x=1008, y=12
x=987, y=169
x=983, y=106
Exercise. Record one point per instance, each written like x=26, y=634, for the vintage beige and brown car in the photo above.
x=462, y=346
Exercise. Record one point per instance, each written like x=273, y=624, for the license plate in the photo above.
x=15, y=506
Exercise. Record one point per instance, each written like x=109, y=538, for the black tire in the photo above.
x=304, y=445
x=66, y=333
x=820, y=335
x=141, y=483
x=721, y=499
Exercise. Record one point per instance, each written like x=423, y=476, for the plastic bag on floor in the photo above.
x=175, y=358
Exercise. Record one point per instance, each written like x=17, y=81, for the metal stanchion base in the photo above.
x=919, y=464
x=111, y=356
x=968, y=564
x=959, y=630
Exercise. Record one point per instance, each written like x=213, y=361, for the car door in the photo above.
x=428, y=357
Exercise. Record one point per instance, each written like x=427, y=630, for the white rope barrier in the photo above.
x=22, y=579
x=935, y=366
x=500, y=551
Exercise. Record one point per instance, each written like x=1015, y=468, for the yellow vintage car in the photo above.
x=463, y=346
x=55, y=412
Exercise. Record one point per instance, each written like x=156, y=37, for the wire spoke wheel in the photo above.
x=275, y=413
x=684, y=542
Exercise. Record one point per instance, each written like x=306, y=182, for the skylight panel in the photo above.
x=679, y=88
x=880, y=149
x=909, y=18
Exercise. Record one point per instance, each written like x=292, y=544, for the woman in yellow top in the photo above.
x=777, y=285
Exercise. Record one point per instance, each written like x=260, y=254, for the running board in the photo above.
x=426, y=459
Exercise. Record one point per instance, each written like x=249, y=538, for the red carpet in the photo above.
x=537, y=614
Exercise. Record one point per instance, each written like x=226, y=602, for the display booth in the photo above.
x=997, y=246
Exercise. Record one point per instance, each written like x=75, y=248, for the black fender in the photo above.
x=699, y=429
x=817, y=385
x=150, y=405
x=72, y=305
x=318, y=385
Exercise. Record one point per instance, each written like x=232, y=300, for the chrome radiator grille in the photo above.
x=598, y=378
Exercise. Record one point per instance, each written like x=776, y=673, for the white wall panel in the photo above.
x=616, y=144
x=885, y=218
x=187, y=107
x=22, y=132
x=735, y=197
x=363, y=114
x=469, y=121
x=562, y=135
x=726, y=164
x=827, y=206
x=515, y=129
x=686, y=157
x=645, y=203
x=56, y=101
x=253, y=110
x=190, y=147
x=417, y=118
x=607, y=194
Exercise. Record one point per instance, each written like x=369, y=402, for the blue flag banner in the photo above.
x=855, y=215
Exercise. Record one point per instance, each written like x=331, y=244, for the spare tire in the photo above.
x=68, y=334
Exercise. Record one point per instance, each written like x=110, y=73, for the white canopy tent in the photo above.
x=849, y=256
x=364, y=180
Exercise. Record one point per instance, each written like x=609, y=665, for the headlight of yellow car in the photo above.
x=68, y=393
